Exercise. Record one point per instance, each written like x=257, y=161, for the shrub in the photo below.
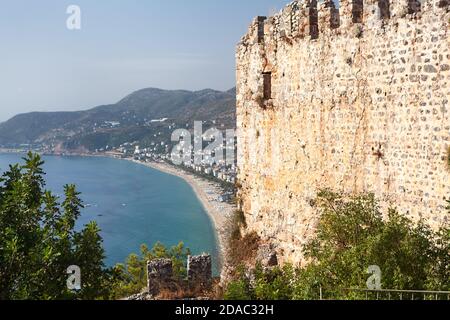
x=242, y=249
x=240, y=288
x=262, y=284
x=351, y=236
x=275, y=283
x=240, y=218
x=38, y=240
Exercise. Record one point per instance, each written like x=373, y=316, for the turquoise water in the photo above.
x=132, y=204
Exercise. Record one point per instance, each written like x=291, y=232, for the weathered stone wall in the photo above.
x=359, y=102
x=160, y=275
x=199, y=270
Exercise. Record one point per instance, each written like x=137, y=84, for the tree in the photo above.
x=38, y=240
x=352, y=235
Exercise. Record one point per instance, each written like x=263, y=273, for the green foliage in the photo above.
x=180, y=106
x=448, y=158
x=351, y=236
x=274, y=284
x=131, y=277
x=240, y=218
x=262, y=284
x=38, y=241
x=241, y=288
x=241, y=249
x=236, y=223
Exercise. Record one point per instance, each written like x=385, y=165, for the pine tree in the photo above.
x=38, y=240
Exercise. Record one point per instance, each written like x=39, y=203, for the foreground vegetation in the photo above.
x=351, y=236
x=39, y=241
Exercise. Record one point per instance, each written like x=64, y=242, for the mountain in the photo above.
x=138, y=117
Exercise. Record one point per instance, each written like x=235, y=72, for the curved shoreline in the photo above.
x=207, y=193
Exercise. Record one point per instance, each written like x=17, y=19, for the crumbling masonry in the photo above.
x=160, y=275
x=354, y=98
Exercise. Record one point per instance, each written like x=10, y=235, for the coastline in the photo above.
x=207, y=192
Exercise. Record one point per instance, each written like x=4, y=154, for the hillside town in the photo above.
x=221, y=170
x=156, y=146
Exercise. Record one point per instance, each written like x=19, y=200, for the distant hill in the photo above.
x=137, y=117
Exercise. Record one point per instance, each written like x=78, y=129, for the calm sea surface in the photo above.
x=132, y=204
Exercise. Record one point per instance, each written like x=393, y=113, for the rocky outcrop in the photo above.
x=267, y=256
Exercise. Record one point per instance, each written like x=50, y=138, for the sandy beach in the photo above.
x=208, y=193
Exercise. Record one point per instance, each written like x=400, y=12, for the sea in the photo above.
x=132, y=204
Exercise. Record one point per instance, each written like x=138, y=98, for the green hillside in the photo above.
x=138, y=117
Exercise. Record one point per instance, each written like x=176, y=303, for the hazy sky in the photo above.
x=123, y=46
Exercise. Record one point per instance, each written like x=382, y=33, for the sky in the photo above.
x=122, y=46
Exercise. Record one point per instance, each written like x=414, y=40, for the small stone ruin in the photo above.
x=161, y=277
x=199, y=270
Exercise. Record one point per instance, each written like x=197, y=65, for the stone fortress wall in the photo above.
x=354, y=98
